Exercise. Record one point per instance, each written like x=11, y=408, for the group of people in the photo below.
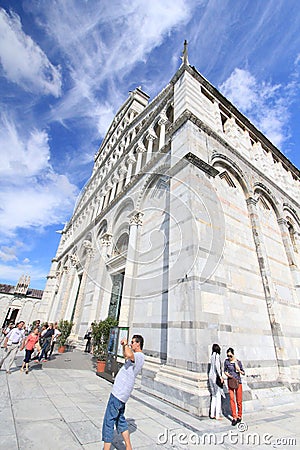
x=233, y=369
x=36, y=338
x=44, y=338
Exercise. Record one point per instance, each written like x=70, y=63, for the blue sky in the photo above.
x=67, y=66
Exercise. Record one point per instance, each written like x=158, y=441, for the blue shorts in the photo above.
x=114, y=414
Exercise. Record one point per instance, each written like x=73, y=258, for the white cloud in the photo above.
x=265, y=104
x=22, y=59
x=102, y=42
x=32, y=193
x=22, y=157
x=11, y=274
x=36, y=204
x=8, y=253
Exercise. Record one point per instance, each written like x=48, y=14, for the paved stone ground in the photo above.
x=60, y=405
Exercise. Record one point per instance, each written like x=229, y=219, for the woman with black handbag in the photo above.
x=215, y=382
x=233, y=369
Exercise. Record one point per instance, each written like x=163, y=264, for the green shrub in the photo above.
x=65, y=327
x=100, y=337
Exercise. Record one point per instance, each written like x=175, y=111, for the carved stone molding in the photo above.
x=137, y=218
x=106, y=239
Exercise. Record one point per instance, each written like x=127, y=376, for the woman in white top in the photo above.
x=216, y=391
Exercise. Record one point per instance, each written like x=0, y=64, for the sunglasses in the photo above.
x=230, y=356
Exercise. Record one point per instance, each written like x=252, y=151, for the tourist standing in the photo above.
x=5, y=331
x=88, y=337
x=13, y=340
x=31, y=340
x=122, y=388
x=46, y=339
x=233, y=369
x=215, y=383
x=56, y=334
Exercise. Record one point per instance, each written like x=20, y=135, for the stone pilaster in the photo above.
x=270, y=292
x=74, y=262
x=162, y=135
x=283, y=225
x=131, y=160
x=136, y=222
x=140, y=150
x=80, y=299
x=151, y=136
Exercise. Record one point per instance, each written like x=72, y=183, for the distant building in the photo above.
x=188, y=233
x=19, y=302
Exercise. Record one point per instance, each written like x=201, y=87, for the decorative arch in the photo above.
x=223, y=161
x=150, y=182
x=290, y=211
x=121, y=244
x=126, y=206
x=103, y=227
x=261, y=190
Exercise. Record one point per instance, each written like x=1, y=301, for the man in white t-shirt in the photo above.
x=122, y=388
x=56, y=334
x=13, y=340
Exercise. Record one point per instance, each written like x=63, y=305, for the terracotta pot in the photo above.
x=61, y=349
x=101, y=366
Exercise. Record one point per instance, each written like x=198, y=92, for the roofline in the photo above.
x=233, y=109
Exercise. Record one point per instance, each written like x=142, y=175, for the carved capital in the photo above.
x=140, y=147
x=131, y=159
x=122, y=169
x=137, y=219
x=151, y=135
x=162, y=119
x=74, y=260
x=106, y=239
x=251, y=201
x=282, y=221
x=87, y=245
x=115, y=177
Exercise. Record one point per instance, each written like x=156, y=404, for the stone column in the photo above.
x=125, y=318
x=44, y=306
x=74, y=262
x=80, y=299
x=162, y=135
x=115, y=179
x=140, y=150
x=105, y=283
x=150, y=138
x=101, y=201
x=131, y=160
x=270, y=292
x=108, y=187
x=122, y=172
x=61, y=276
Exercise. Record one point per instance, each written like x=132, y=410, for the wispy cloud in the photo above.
x=102, y=44
x=267, y=105
x=8, y=253
x=11, y=274
x=32, y=193
x=23, y=62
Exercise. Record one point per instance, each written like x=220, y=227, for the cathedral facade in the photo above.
x=188, y=233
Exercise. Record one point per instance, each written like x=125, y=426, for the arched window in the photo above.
x=121, y=245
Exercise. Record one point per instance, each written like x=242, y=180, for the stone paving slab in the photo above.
x=60, y=406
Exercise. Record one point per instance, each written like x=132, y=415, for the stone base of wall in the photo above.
x=190, y=391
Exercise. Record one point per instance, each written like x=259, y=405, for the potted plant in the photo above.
x=65, y=328
x=100, y=337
